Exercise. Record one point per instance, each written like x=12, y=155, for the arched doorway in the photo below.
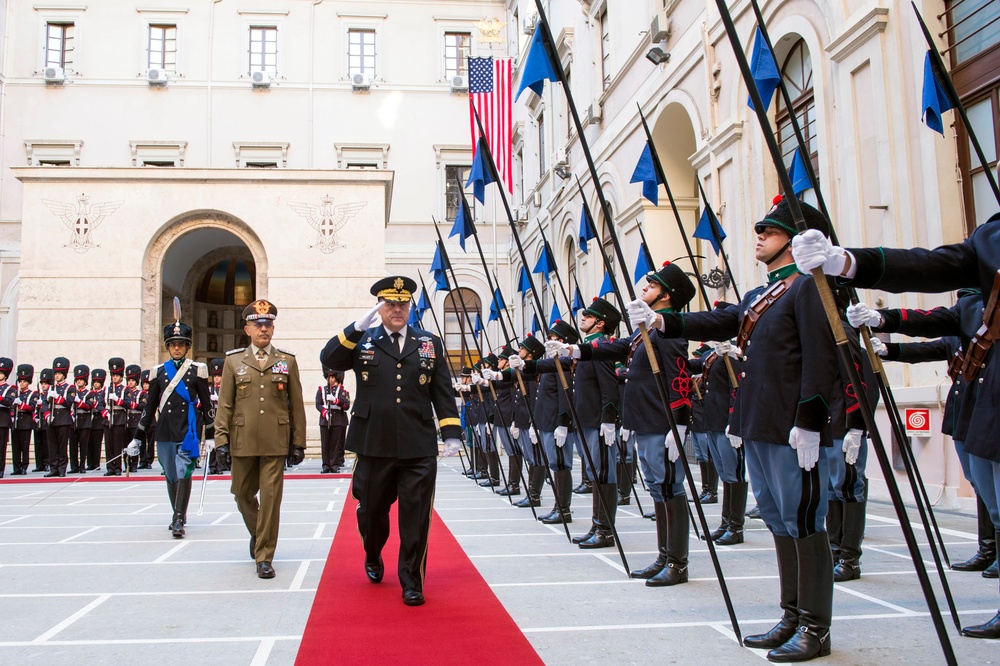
x=215, y=265
x=457, y=333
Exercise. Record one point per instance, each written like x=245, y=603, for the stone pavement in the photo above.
x=90, y=575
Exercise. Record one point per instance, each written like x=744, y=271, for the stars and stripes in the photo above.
x=490, y=96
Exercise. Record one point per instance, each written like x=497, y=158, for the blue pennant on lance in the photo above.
x=934, y=100
x=645, y=173
x=496, y=306
x=798, y=174
x=414, y=320
x=764, y=70
x=555, y=316
x=535, y=326
x=537, y=68
x=441, y=281
x=523, y=282
x=704, y=229
x=546, y=263
x=423, y=305
x=586, y=229
x=478, y=327
x=606, y=286
x=463, y=227
x=479, y=175
x=642, y=265
x=577, y=301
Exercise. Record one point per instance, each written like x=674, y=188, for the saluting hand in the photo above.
x=369, y=318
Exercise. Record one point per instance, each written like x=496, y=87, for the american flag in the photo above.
x=490, y=95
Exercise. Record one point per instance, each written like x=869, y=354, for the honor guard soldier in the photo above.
x=503, y=421
x=25, y=400
x=215, y=372
x=261, y=421
x=61, y=399
x=114, y=398
x=332, y=402
x=486, y=415
x=130, y=402
x=79, y=436
x=177, y=387
x=147, y=444
x=7, y=393
x=403, y=382
x=42, y=421
x=97, y=399
x=531, y=349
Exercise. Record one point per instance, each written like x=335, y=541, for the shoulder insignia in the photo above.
x=157, y=367
x=235, y=351
x=202, y=370
x=284, y=351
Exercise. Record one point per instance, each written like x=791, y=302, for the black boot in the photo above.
x=585, y=488
x=709, y=483
x=990, y=629
x=812, y=637
x=494, y=474
x=660, y=513
x=514, y=477
x=604, y=537
x=624, y=489
x=788, y=592
x=727, y=497
x=678, y=539
x=180, y=507
x=987, y=553
x=834, y=526
x=172, y=494
x=848, y=566
x=563, y=480
x=536, y=477
x=737, y=505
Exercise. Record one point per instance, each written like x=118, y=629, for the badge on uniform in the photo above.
x=280, y=368
x=364, y=376
x=423, y=379
x=242, y=370
x=427, y=350
x=366, y=356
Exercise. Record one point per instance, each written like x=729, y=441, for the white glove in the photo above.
x=515, y=432
x=734, y=441
x=879, y=347
x=490, y=375
x=554, y=348
x=533, y=436
x=726, y=348
x=852, y=445
x=674, y=451
x=17, y=402
x=626, y=434
x=640, y=313
x=367, y=321
x=608, y=431
x=52, y=394
x=133, y=448
x=862, y=315
x=515, y=362
x=209, y=445
x=477, y=378
x=562, y=432
x=811, y=249
x=451, y=447
x=806, y=442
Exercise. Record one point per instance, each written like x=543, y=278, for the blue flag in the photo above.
x=423, y=305
x=537, y=67
x=934, y=100
x=577, y=302
x=642, y=265
x=496, y=306
x=535, y=326
x=554, y=317
x=606, y=287
x=645, y=173
x=438, y=270
x=523, y=283
x=798, y=174
x=479, y=175
x=414, y=320
x=764, y=70
x=546, y=263
x=704, y=230
x=478, y=327
x=463, y=227
x=586, y=229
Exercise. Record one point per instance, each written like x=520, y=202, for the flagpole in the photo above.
x=555, y=269
x=840, y=337
x=713, y=222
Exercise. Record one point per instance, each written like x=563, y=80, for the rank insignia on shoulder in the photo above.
x=235, y=351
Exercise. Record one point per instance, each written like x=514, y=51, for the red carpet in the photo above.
x=355, y=622
x=74, y=478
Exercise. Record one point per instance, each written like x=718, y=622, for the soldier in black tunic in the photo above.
x=530, y=349
x=42, y=421
x=332, y=403
x=97, y=401
x=7, y=392
x=132, y=409
x=79, y=436
x=61, y=398
x=114, y=403
x=25, y=400
x=147, y=445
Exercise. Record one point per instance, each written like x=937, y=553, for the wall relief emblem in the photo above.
x=327, y=220
x=82, y=219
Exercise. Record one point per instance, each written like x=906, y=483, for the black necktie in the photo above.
x=395, y=340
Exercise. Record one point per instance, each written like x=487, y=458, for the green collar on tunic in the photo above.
x=595, y=336
x=664, y=311
x=781, y=273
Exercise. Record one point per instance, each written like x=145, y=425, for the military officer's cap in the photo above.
x=564, y=332
x=328, y=372
x=177, y=332
x=780, y=217
x=132, y=371
x=46, y=375
x=144, y=376
x=534, y=346
x=60, y=364
x=702, y=350
x=6, y=365
x=260, y=309
x=676, y=282
x=397, y=288
x=98, y=375
x=467, y=371
x=487, y=362
x=25, y=371
x=509, y=349
x=81, y=372
x=215, y=366
x=116, y=365
x=603, y=310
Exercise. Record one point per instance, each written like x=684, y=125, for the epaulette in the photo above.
x=156, y=368
x=201, y=368
x=285, y=351
x=235, y=351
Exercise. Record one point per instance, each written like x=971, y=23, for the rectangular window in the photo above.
x=542, y=168
x=974, y=28
x=264, y=49
x=59, y=45
x=605, y=50
x=361, y=52
x=452, y=193
x=456, y=53
x=162, y=47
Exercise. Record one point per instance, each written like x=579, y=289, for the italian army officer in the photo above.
x=403, y=381
x=178, y=388
x=259, y=423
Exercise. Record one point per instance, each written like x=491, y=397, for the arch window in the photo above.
x=458, y=327
x=224, y=291
x=797, y=74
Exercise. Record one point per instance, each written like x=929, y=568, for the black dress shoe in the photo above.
x=253, y=547
x=990, y=572
x=490, y=483
x=375, y=571
x=326, y=470
x=265, y=570
x=528, y=502
x=413, y=597
x=50, y=474
x=585, y=488
x=753, y=513
x=510, y=491
x=989, y=630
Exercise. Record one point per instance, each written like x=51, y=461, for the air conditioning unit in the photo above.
x=361, y=81
x=593, y=115
x=260, y=79
x=560, y=156
x=659, y=28
x=157, y=76
x=459, y=83
x=54, y=75
x=522, y=213
x=531, y=24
